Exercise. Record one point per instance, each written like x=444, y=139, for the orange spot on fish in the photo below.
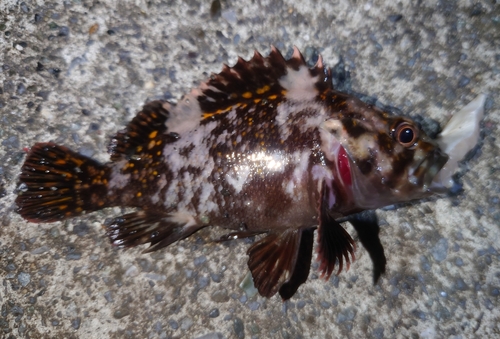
x=264, y=89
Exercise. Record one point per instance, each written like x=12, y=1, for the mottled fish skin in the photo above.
x=241, y=158
x=266, y=146
x=264, y=142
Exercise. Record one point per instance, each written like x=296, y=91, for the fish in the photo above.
x=267, y=148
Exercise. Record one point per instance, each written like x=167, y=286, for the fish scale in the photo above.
x=267, y=146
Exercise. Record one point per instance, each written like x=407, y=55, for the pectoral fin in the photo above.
x=334, y=243
x=275, y=264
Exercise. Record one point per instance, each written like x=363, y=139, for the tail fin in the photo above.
x=57, y=183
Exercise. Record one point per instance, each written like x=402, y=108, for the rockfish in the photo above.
x=267, y=147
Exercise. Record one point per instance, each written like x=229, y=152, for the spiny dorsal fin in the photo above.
x=260, y=83
x=262, y=79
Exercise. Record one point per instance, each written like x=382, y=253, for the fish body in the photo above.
x=267, y=146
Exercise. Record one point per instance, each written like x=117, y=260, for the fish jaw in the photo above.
x=426, y=171
x=458, y=137
x=369, y=194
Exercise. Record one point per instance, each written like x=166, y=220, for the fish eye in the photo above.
x=406, y=134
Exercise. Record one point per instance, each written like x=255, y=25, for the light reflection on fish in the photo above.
x=267, y=146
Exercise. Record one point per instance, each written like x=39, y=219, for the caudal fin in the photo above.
x=57, y=183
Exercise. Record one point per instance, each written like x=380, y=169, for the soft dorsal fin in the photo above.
x=146, y=128
x=262, y=79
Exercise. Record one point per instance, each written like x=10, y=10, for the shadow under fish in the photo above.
x=268, y=146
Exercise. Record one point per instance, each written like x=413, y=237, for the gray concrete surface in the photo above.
x=76, y=71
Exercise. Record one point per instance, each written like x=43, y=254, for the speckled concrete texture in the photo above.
x=76, y=71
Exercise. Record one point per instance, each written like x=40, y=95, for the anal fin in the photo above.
x=158, y=229
x=238, y=235
x=334, y=243
x=275, y=264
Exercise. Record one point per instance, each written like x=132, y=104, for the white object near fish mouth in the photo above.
x=458, y=137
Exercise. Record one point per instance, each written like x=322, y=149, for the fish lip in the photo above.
x=429, y=167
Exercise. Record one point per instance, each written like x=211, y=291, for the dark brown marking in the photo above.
x=366, y=165
x=353, y=127
x=401, y=162
x=186, y=150
x=386, y=143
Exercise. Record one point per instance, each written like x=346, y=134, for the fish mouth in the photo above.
x=428, y=168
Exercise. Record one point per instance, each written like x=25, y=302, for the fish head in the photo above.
x=380, y=159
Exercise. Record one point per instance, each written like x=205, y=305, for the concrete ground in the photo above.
x=76, y=71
